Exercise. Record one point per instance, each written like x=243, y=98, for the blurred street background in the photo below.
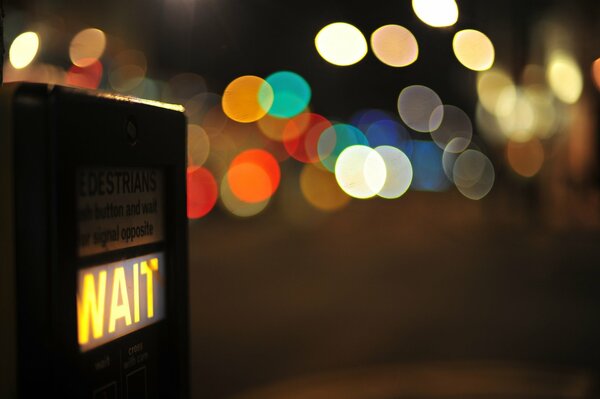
x=386, y=199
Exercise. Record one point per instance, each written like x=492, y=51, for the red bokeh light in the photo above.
x=301, y=136
x=88, y=77
x=202, y=192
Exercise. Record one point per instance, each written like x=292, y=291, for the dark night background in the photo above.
x=431, y=280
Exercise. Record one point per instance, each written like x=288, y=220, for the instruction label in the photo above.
x=119, y=208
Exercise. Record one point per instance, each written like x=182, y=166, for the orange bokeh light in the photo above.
x=525, y=158
x=247, y=99
x=596, y=73
x=254, y=175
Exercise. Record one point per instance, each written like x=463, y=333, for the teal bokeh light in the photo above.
x=292, y=94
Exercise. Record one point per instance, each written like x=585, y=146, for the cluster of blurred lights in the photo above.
x=373, y=154
x=238, y=141
x=229, y=164
x=521, y=117
x=343, y=44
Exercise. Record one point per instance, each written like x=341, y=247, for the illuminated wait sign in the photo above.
x=118, y=298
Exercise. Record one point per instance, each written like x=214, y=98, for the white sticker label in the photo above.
x=119, y=208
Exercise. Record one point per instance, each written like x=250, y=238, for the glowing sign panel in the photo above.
x=118, y=298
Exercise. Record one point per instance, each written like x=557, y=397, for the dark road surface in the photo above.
x=427, y=278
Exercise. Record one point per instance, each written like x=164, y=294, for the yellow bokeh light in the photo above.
x=394, y=45
x=564, y=77
x=247, y=99
x=321, y=190
x=544, y=108
x=517, y=121
x=436, y=13
x=360, y=171
x=473, y=49
x=525, y=158
x=272, y=127
x=87, y=46
x=24, y=49
x=493, y=84
x=341, y=44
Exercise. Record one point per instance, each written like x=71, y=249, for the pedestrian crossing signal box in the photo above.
x=93, y=243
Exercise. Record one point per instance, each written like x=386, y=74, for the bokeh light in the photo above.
x=319, y=187
x=456, y=126
x=235, y=205
x=202, y=192
x=24, y=49
x=399, y=172
x=596, y=73
x=198, y=145
x=341, y=44
x=473, y=174
x=363, y=119
x=87, y=46
x=289, y=96
x=517, y=120
x=336, y=139
x=394, y=45
x=130, y=67
x=449, y=158
x=272, y=127
x=493, y=85
x=436, y=13
x=254, y=175
x=88, y=77
x=428, y=172
x=249, y=182
x=564, y=77
x=360, y=171
x=416, y=104
x=546, y=114
x=387, y=132
x=247, y=99
x=301, y=136
x=527, y=158
x=473, y=49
